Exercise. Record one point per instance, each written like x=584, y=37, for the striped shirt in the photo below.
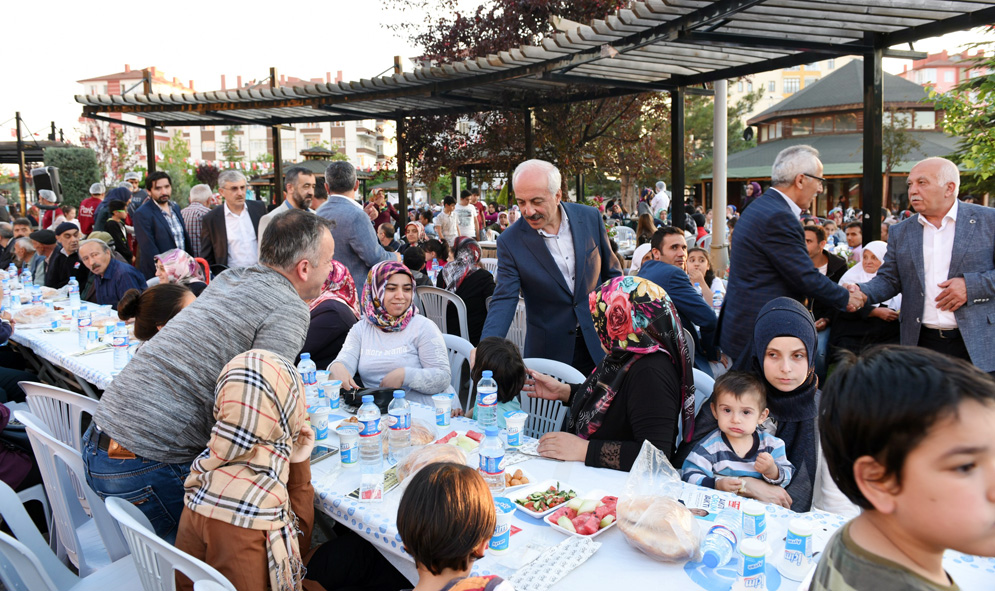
x=714, y=457
x=193, y=218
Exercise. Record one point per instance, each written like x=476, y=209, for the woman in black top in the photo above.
x=333, y=313
x=464, y=277
x=115, y=227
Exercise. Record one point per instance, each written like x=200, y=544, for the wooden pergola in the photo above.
x=675, y=46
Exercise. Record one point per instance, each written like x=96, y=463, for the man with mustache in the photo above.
x=556, y=254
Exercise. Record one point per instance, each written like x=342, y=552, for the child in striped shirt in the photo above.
x=737, y=450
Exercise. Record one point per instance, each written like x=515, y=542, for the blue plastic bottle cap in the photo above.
x=710, y=558
x=486, y=373
x=367, y=398
x=492, y=431
x=305, y=356
x=398, y=393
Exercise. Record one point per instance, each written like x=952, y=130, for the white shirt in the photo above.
x=561, y=247
x=795, y=210
x=243, y=250
x=937, y=248
x=660, y=201
x=466, y=220
x=445, y=227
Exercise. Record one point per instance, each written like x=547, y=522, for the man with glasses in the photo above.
x=229, y=231
x=768, y=258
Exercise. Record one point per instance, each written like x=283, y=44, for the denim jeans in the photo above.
x=154, y=487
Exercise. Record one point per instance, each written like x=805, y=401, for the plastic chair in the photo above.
x=90, y=542
x=547, y=415
x=60, y=410
x=156, y=559
x=206, y=585
x=518, y=328
x=459, y=352
x=435, y=302
x=491, y=265
x=625, y=237
x=207, y=269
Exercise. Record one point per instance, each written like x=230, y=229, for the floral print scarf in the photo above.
x=180, y=267
x=633, y=317
x=339, y=286
x=466, y=256
x=373, y=293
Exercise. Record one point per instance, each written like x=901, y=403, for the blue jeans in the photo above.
x=154, y=487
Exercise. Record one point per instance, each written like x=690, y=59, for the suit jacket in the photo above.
x=552, y=312
x=691, y=307
x=356, y=244
x=214, y=232
x=972, y=257
x=154, y=236
x=768, y=260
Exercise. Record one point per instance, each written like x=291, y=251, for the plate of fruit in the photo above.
x=586, y=517
x=468, y=441
x=543, y=498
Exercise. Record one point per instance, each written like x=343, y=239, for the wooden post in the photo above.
x=149, y=126
x=402, y=171
x=529, y=121
x=277, y=150
x=21, y=167
x=873, y=183
x=677, y=158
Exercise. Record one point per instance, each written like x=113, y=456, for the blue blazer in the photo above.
x=972, y=257
x=768, y=260
x=691, y=307
x=552, y=313
x=154, y=236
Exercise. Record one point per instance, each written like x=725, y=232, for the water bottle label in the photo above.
x=73, y=289
x=349, y=452
x=369, y=428
x=491, y=465
x=119, y=341
x=725, y=532
x=753, y=572
x=84, y=323
x=755, y=526
x=399, y=422
x=487, y=399
x=310, y=378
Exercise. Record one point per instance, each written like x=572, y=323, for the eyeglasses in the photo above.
x=818, y=178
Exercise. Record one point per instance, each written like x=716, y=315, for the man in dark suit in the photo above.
x=942, y=261
x=831, y=266
x=158, y=224
x=229, y=232
x=556, y=254
x=768, y=258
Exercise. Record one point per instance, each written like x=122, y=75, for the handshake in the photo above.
x=857, y=298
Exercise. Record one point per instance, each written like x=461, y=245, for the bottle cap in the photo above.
x=305, y=356
x=492, y=431
x=486, y=373
x=398, y=393
x=710, y=558
x=368, y=399
x=120, y=324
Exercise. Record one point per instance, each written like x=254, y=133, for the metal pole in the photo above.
x=51, y=136
x=277, y=150
x=529, y=121
x=149, y=126
x=677, y=157
x=402, y=171
x=21, y=167
x=873, y=183
x=455, y=184
x=720, y=154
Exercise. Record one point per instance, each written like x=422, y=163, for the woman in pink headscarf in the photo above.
x=333, y=313
x=176, y=266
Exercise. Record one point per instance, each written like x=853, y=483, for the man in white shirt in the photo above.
x=661, y=200
x=445, y=222
x=229, y=231
x=298, y=192
x=466, y=216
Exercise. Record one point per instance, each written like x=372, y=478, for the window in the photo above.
x=311, y=141
x=810, y=80
x=258, y=146
x=792, y=69
x=791, y=85
x=801, y=126
x=772, y=86
x=831, y=64
x=749, y=86
x=763, y=132
x=924, y=119
x=898, y=120
x=845, y=122
x=289, y=147
x=812, y=66
x=207, y=146
x=739, y=86
x=774, y=130
x=948, y=75
x=824, y=124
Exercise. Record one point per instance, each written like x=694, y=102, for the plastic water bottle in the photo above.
x=487, y=398
x=492, y=460
x=697, y=287
x=83, y=322
x=120, y=345
x=434, y=271
x=370, y=451
x=26, y=277
x=74, y=302
x=12, y=271
x=399, y=421
x=309, y=374
x=5, y=304
x=720, y=542
x=717, y=297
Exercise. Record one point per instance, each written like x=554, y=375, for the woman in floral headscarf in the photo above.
x=176, y=266
x=393, y=346
x=642, y=390
x=473, y=284
x=414, y=235
x=333, y=313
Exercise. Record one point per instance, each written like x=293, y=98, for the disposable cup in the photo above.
x=501, y=540
x=754, y=520
x=752, y=574
x=348, y=446
x=332, y=389
x=443, y=409
x=797, y=559
x=515, y=422
x=319, y=421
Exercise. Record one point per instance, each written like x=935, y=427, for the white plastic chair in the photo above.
x=518, y=328
x=435, y=302
x=491, y=266
x=90, y=542
x=156, y=559
x=206, y=585
x=459, y=351
x=60, y=410
x=625, y=237
x=547, y=415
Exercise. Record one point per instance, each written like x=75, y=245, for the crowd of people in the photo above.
x=340, y=282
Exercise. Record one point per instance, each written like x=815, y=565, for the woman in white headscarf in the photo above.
x=642, y=253
x=872, y=325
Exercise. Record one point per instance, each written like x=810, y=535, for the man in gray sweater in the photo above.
x=157, y=415
x=359, y=248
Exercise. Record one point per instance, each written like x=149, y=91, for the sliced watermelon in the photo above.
x=604, y=510
x=587, y=524
x=609, y=500
x=478, y=437
x=446, y=438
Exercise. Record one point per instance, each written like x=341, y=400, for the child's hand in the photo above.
x=766, y=466
x=732, y=485
x=303, y=445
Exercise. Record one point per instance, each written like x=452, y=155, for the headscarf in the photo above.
x=857, y=274
x=119, y=193
x=756, y=189
x=180, y=266
x=633, y=317
x=340, y=287
x=466, y=256
x=422, y=237
x=637, y=257
x=242, y=476
x=373, y=294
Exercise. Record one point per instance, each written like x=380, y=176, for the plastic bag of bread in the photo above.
x=34, y=315
x=422, y=433
x=649, y=514
x=429, y=454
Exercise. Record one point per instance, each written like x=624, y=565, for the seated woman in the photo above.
x=176, y=266
x=465, y=277
x=414, y=235
x=333, y=313
x=641, y=391
x=393, y=346
x=645, y=228
x=153, y=308
x=871, y=325
x=249, y=503
x=643, y=253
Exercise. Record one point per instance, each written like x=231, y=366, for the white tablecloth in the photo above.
x=58, y=349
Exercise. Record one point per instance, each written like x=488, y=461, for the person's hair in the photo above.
x=446, y=512
x=103, y=245
x=6, y=230
x=116, y=205
x=441, y=249
x=290, y=176
x=449, y=200
x=425, y=215
x=553, y=178
x=388, y=229
x=819, y=231
x=862, y=413
x=155, y=176
x=645, y=225
x=709, y=274
x=946, y=173
x=475, y=191
x=464, y=194
x=229, y=176
x=791, y=162
x=320, y=192
x=739, y=384
x=657, y=240
x=857, y=225
x=291, y=237
x=152, y=308
x=731, y=222
x=340, y=177
x=414, y=258
x=202, y=193
x=25, y=243
x=22, y=222
x=504, y=360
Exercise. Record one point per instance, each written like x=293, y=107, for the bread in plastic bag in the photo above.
x=429, y=454
x=35, y=316
x=649, y=514
x=422, y=432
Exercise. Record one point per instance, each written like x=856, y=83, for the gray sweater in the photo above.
x=356, y=244
x=161, y=406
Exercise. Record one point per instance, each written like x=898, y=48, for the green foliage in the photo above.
x=174, y=162
x=208, y=174
x=78, y=169
x=267, y=157
x=229, y=149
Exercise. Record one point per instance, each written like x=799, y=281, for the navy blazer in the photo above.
x=214, y=232
x=972, y=257
x=552, y=313
x=154, y=236
x=768, y=260
x=691, y=307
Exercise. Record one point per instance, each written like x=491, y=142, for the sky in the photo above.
x=202, y=40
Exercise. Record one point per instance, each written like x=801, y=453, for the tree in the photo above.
x=208, y=174
x=117, y=149
x=896, y=144
x=174, y=162
x=78, y=169
x=230, y=149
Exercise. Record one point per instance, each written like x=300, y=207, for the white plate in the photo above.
x=523, y=492
x=335, y=419
x=594, y=494
x=511, y=470
x=458, y=433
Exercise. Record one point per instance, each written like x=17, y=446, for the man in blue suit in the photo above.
x=556, y=254
x=942, y=261
x=768, y=258
x=158, y=224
